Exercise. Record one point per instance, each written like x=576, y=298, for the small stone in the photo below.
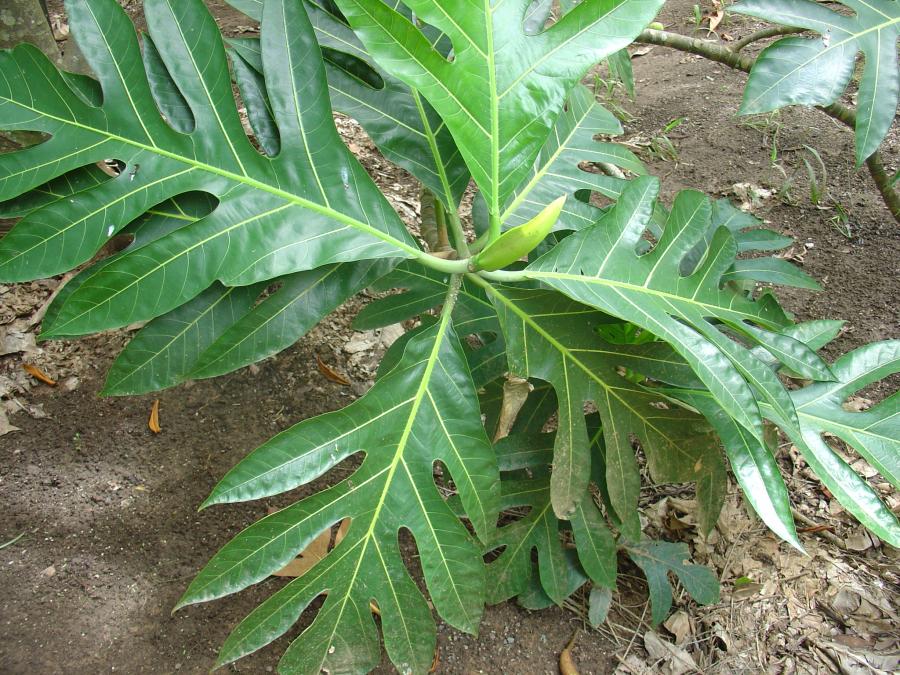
x=510, y=640
x=49, y=571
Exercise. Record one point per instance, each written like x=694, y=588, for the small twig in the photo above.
x=830, y=536
x=774, y=31
x=634, y=634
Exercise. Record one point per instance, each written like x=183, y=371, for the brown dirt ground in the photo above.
x=112, y=535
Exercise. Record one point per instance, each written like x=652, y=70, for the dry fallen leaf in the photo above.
x=515, y=393
x=566, y=662
x=330, y=373
x=38, y=374
x=5, y=426
x=679, y=625
x=669, y=659
x=318, y=548
x=153, y=422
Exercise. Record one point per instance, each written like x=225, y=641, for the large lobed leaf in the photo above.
x=874, y=433
x=273, y=213
x=402, y=124
x=599, y=267
x=816, y=71
x=552, y=338
x=423, y=411
x=501, y=93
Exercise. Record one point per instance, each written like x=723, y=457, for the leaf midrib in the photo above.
x=612, y=283
x=568, y=354
x=229, y=175
x=851, y=38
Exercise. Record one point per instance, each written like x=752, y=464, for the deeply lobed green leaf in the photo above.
x=252, y=234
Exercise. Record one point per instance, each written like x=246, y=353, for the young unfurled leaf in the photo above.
x=520, y=240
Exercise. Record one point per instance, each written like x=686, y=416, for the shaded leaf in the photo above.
x=657, y=559
x=554, y=339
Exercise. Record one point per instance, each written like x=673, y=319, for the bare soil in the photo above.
x=108, y=510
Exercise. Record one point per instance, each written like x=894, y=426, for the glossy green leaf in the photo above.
x=423, y=411
x=68, y=184
x=754, y=466
x=301, y=301
x=598, y=266
x=816, y=71
x=503, y=90
x=511, y=572
x=252, y=85
x=773, y=271
x=874, y=433
x=166, y=349
x=253, y=233
x=156, y=223
x=424, y=289
x=553, y=338
x=557, y=169
x=400, y=122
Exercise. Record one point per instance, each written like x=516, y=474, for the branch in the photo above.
x=774, y=31
x=733, y=59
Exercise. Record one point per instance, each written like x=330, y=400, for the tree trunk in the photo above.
x=24, y=21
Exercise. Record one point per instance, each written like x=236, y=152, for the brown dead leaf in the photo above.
x=38, y=374
x=13, y=341
x=515, y=393
x=566, y=662
x=330, y=373
x=679, y=625
x=669, y=659
x=153, y=422
x=316, y=550
x=5, y=426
